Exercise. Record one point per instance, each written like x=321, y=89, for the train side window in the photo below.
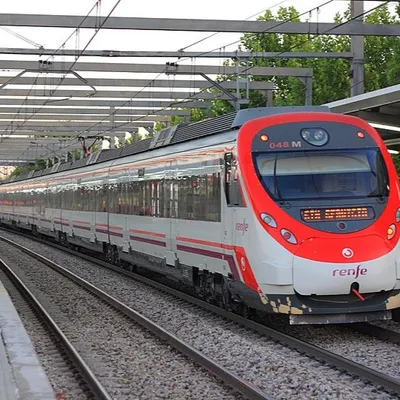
x=232, y=193
x=228, y=159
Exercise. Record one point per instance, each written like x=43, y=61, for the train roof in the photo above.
x=172, y=135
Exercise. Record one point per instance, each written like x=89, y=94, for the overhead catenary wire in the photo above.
x=114, y=111
x=312, y=38
x=24, y=38
x=46, y=63
x=280, y=23
x=329, y=30
x=191, y=58
x=77, y=29
x=216, y=33
x=124, y=104
x=69, y=69
x=219, y=48
x=138, y=119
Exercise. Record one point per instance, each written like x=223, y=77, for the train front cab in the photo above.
x=324, y=195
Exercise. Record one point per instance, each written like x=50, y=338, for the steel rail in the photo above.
x=87, y=374
x=377, y=332
x=340, y=362
x=246, y=388
x=301, y=346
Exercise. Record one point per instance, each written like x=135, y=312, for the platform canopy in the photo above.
x=381, y=108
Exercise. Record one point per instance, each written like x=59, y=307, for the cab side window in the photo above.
x=232, y=191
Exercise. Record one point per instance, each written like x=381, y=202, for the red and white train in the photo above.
x=285, y=210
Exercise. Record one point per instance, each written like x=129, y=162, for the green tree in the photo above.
x=38, y=165
x=382, y=53
x=396, y=160
x=331, y=77
x=159, y=126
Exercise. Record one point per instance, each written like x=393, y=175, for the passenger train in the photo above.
x=291, y=210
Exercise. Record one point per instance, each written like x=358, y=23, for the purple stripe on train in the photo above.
x=149, y=241
x=86, y=228
x=213, y=254
x=111, y=233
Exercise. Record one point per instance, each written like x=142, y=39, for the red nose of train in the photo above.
x=342, y=250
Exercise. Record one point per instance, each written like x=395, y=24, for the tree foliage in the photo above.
x=331, y=77
x=396, y=160
x=38, y=165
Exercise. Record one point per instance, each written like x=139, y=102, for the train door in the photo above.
x=228, y=212
x=171, y=203
x=101, y=216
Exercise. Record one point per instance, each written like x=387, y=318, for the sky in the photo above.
x=53, y=38
x=155, y=40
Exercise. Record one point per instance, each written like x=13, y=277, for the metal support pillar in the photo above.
x=308, y=84
x=357, y=49
x=236, y=101
x=112, y=117
x=270, y=98
x=308, y=92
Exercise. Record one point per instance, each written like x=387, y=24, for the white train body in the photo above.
x=170, y=209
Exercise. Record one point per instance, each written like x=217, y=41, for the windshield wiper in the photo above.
x=276, y=186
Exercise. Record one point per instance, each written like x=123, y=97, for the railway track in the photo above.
x=342, y=363
x=86, y=373
x=235, y=382
x=378, y=332
x=61, y=371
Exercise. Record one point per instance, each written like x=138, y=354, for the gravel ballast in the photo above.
x=63, y=379
x=274, y=368
x=130, y=362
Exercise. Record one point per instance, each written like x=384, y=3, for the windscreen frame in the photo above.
x=378, y=171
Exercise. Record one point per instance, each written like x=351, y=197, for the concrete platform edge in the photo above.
x=29, y=380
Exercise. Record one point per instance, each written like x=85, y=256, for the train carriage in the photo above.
x=285, y=210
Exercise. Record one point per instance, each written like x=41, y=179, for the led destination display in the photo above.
x=334, y=214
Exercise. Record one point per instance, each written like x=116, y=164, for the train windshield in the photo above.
x=323, y=174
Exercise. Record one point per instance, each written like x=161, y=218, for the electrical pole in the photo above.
x=357, y=48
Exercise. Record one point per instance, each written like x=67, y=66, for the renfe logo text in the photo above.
x=356, y=272
x=242, y=226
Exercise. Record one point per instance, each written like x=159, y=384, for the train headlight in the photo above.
x=398, y=215
x=288, y=236
x=268, y=220
x=391, y=231
x=315, y=136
